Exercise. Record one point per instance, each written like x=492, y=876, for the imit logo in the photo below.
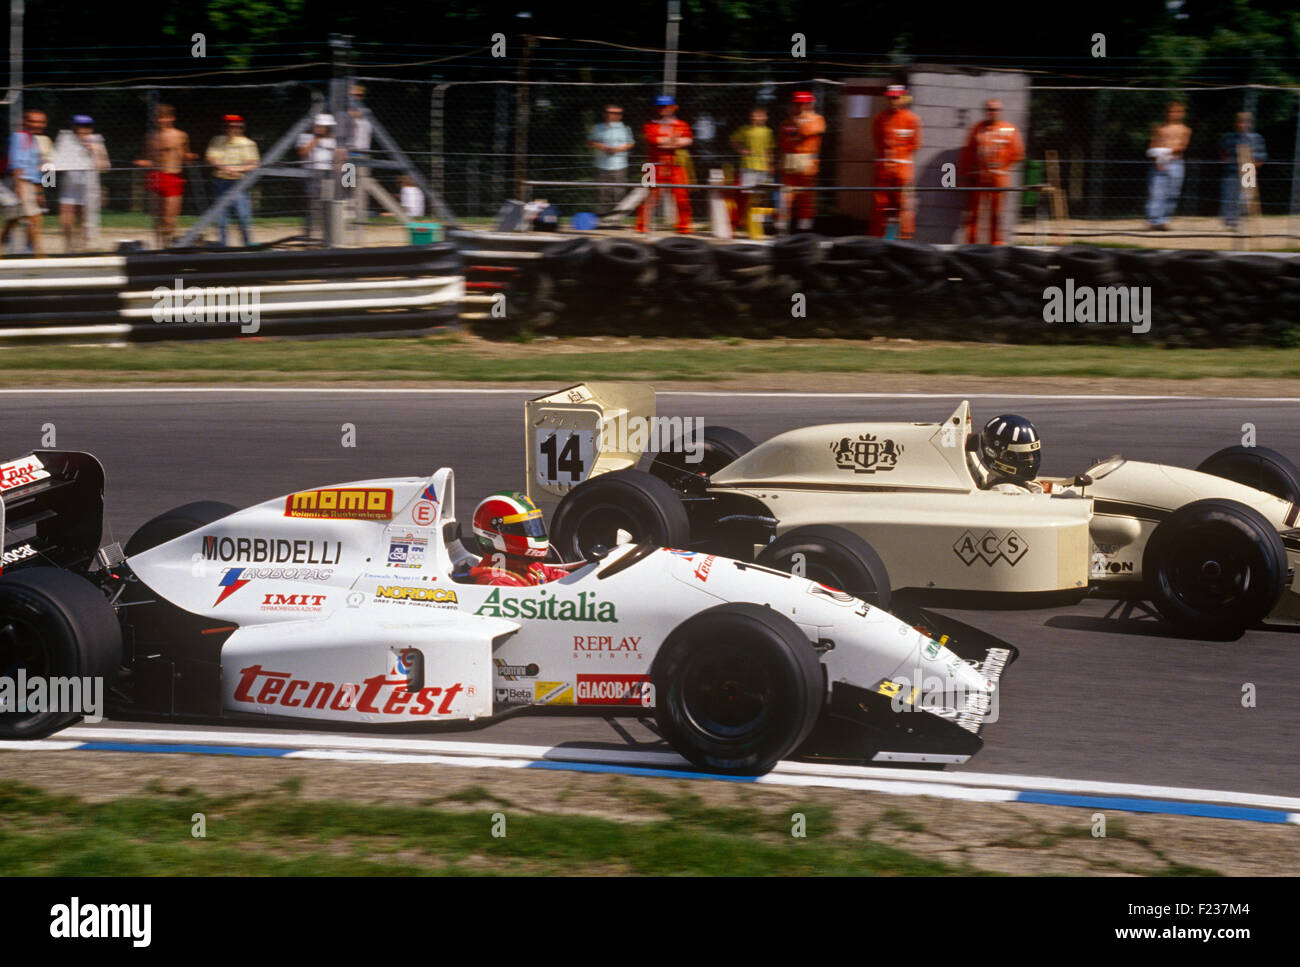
x=612, y=689
x=341, y=503
x=293, y=602
x=990, y=548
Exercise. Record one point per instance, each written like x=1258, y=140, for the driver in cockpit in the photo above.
x=1008, y=456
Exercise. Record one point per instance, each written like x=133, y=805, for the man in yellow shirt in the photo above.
x=232, y=155
x=754, y=142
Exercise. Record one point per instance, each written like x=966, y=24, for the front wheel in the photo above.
x=1215, y=567
x=832, y=556
x=737, y=688
x=1257, y=467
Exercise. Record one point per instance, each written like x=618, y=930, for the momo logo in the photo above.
x=341, y=503
x=990, y=548
x=866, y=454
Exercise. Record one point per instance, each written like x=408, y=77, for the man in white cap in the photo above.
x=319, y=151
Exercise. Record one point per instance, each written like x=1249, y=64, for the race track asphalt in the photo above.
x=1090, y=698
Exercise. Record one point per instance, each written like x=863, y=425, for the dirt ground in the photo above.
x=1011, y=838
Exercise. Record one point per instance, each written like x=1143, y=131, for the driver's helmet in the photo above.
x=1010, y=448
x=508, y=521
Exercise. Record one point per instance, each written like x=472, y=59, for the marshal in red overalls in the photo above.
x=992, y=150
x=664, y=136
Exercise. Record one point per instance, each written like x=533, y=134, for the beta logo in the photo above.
x=341, y=503
x=612, y=689
x=990, y=548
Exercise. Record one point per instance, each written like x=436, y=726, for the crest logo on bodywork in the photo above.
x=866, y=454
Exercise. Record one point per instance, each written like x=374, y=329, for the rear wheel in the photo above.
x=642, y=506
x=1215, y=567
x=175, y=523
x=1257, y=467
x=737, y=688
x=832, y=556
x=54, y=624
x=721, y=446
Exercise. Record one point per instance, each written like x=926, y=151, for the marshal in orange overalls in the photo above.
x=667, y=170
x=897, y=133
x=993, y=148
x=801, y=145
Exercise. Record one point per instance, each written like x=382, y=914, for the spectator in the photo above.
x=356, y=135
x=1168, y=142
x=233, y=155
x=1242, y=146
x=79, y=157
x=665, y=136
x=992, y=150
x=801, y=144
x=25, y=172
x=754, y=143
x=319, y=150
x=410, y=198
x=896, y=132
x=167, y=151
x=610, y=142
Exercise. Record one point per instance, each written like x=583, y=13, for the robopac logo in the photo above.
x=866, y=454
x=990, y=548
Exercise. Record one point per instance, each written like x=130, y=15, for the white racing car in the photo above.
x=346, y=606
x=1215, y=549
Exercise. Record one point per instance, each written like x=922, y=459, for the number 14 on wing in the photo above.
x=564, y=456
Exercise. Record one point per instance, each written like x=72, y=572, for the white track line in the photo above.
x=723, y=394
x=967, y=785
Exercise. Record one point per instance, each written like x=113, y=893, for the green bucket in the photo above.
x=424, y=233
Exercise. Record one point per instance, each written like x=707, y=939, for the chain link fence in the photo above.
x=479, y=142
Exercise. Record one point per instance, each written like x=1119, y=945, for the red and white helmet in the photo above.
x=508, y=521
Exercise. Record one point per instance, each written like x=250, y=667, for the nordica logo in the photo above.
x=543, y=608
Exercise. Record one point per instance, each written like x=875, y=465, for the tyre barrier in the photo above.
x=143, y=297
x=867, y=287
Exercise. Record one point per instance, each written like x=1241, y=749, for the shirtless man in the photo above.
x=167, y=151
x=1168, y=142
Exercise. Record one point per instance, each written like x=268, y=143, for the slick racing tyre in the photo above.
x=737, y=688
x=54, y=624
x=593, y=513
x=1215, y=567
x=175, y=523
x=720, y=447
x=1257, y=467
x=832, y=556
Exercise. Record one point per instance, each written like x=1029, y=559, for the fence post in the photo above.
x=1097, y=175
x=1295, y=171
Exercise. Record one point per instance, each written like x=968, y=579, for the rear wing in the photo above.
x=51, y=510
x=582, y=431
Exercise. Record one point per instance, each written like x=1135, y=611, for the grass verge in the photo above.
x=274, y=833
x=469, y=358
